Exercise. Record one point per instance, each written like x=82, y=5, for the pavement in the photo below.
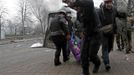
x=8, y=41
x=23, y=60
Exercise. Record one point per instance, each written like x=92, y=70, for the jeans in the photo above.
x=107, y=46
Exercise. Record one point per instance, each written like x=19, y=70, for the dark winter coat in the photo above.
x=59, y=26
x=107, y=17
x=88, y=17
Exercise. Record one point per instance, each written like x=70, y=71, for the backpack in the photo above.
x=122, y=6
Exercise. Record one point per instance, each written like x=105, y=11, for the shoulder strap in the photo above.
x=103, y=13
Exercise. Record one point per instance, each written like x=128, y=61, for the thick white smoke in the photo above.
x=53, y=5
x=50, y=6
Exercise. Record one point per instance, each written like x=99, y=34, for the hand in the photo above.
x=81, y=34
x=68, y=37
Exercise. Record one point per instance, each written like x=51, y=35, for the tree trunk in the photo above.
x=15, y=31
x=41, y=23
x=23, y=26
x=47, y=32
x=0, y=30
x=45, y=38
x=0, y=27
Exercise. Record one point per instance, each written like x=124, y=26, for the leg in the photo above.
x=85, y=57
x=68, y=50
x=94, y=47
x=105, y=53
x=124, y=36
x=58, y=50
x=110, y=43
x=118, y=39
x=96, y=60
x=122, y=43
x=57, y=56
x=129, y=39
x=63, y=44
x=64, y=52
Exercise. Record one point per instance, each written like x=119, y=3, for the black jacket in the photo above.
x=108, y=17
x=88, y=17
x=59, y=26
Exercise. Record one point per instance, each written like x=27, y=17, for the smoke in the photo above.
x=48, y=5
x=43, y=7
x=53, y=5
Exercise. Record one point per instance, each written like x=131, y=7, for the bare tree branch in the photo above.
x=36, y=10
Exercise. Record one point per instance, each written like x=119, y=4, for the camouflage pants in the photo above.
x=122, y=31
x=119, y=42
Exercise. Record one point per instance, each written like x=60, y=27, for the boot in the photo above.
x=108, y=67
x=86, y=72
x=57, y=62
x=96, y=68
x=65, y=59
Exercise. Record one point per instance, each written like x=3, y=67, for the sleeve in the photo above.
x=97, y=21
x=100, y=16
x=79, y=26
x=114, y=21
x=64, y=25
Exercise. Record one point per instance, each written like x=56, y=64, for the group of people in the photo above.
x=97, y=27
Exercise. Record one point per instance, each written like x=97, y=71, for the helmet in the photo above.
x=107, y=0
x=62, y=11
x=69, y=15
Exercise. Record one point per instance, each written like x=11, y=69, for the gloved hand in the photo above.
x=81, y=34
x=68, y=36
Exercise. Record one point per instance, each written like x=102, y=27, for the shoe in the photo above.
x=57, y=62
x=96, y=69
x=108, y=67
x=132, y=51
x=85, y=74
x=65, y=60
x=127, y=52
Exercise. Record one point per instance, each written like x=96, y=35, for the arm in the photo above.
x=65, y=28
x=64, y=25
x=97, y=21
x=114, y=21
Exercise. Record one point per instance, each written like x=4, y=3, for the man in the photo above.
x=107, y=18
x=130, y=21
x=123, y=27
x=70, y=26
x=90, y=35
x=119, y=40
x=60, y=35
